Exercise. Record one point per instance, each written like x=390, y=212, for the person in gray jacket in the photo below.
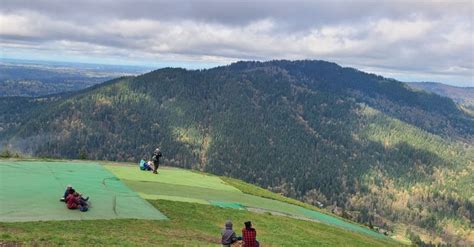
x=228, y=235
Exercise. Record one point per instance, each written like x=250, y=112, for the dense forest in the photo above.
x=368, y=148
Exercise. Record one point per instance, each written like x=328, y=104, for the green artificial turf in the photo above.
x=30, y=191
x=233, y=205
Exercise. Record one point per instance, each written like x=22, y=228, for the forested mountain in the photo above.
x=366, y=147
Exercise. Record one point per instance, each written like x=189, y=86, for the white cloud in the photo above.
x=18, y=25
x=393, y=38
x=395, y=30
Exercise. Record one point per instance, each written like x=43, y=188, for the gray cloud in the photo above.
x=410, y=40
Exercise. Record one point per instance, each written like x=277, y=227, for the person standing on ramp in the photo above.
x=156, y=160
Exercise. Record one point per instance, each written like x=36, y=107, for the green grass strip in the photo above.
x=190, y=224
x=269, y=205
x=171, y=175
x=173, y=198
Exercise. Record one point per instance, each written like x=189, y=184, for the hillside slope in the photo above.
x=369, y=148
x=190, y=225
x=186, y=223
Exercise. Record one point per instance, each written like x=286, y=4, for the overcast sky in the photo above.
x=407, y=40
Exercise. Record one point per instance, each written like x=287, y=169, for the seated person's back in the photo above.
x=71, y=201
x=249, y=235
x=228, y=235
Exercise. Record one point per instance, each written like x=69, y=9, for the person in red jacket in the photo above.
x=71, y=201
x=75, y=201
x=249, y=235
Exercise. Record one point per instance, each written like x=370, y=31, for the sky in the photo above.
x=416, y=40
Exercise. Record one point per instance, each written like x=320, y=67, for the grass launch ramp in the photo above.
x=30, y=191
x=184, y=185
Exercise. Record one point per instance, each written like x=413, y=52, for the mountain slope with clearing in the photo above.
x=191, y=223
x=369, y=148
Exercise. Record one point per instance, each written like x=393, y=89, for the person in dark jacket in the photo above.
x=228, y=235
x=69, y=190
x=249, y=235
x=156, y=160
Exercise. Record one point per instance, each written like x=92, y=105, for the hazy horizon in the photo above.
x=191, y=68
x=404, y=40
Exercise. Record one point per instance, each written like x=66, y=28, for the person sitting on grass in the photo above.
x=146, y=166
x=70, y=190
x=249, y=235
x=150, y=166
x=75, y=201
x=228, y=235
x=66, y=193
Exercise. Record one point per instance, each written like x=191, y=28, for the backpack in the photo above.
x=142, y=165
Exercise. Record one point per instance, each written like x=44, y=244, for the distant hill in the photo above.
x=461, y=95
x=37, y=78
x=366, y=147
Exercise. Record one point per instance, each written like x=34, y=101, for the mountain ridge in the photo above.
x=311, y=130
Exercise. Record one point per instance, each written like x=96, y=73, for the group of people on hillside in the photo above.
x=153, y=164
x=249, y=235
x=74, y=200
